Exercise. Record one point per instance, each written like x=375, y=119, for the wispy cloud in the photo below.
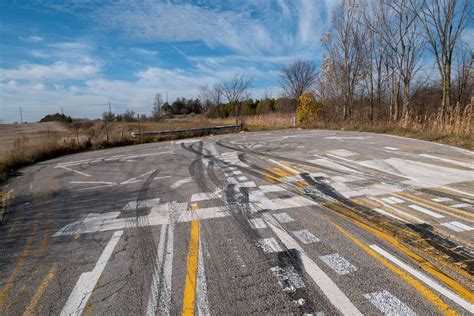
x=32, y=39
x=143, y=51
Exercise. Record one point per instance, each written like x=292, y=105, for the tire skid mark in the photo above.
x=238, y=207
x=420, y=237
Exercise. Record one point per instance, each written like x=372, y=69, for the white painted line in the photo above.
x=451, y=161
x=131, y=205
x=242, y=178
x=232, y=180
x=391, y=148
x=342, y=152
x=468, y=201
x=388, y=303
x=81, y=293
x=379, y=210
x=257, y=223
x=441, y=199
x=337, y=298
x=271, y=188
x=165, y=297
x=155, y=283
x=248, y=184
x=269, y=245
x=338, y=263
x=148, y=155
x=396, y=200
x=283, y=218
x=204, y=196
x=424, y=210
x=201, y=285
x=237, y=172
x=459, y=191
x=78, y=172
x=428, y=281
x=305, y=236
x=453, y=227
x=462, y=205
x=179, y=183
x=462, y=226
x=133, y=180
x=419, y=220
x=288, y=278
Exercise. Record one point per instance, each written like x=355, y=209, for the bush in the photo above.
x=308, y=109
x=56, y=118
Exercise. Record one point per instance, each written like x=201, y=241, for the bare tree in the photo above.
x=297, y=78
x=444, y=21
x=346, y=52
x=204, y=96
x=216, y=94
x=156, y=112
x=464, y=81
x=237, y=88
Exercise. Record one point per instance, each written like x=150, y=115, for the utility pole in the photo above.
x=166, y=96
x=21, y=116
x=62, y=112
x=110, y=110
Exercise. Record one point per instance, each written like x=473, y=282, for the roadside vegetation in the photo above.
x=373, y=77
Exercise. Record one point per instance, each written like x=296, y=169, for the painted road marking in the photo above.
x=392, y=200
x=424, y=210
x=428, y=281
x=205, y=196
x=156, y=279
x=305, y=236
x=458, y=191
x=338, y=263
x=179, y=183
x=242, y=178
x=269, y=245
x=388, y=303
x=192, y=270
x=429, y=295
x=79, y=296
x=453, y=227
x=257, y=223
x=78, y=172
x=379, y=210
x=391, y=148
x=201, y=286
x=461, y=205
x=273, y=188
x=30, y=309
x=248, y=184
x=398, y=211
x=132, y=205
x=283, y=218
x=288, y=278
x=165, y=297
x=457, y=226
x=321, y=279
x=441, y=199
x=137, y=179
x=451, y=161
x=342, y=152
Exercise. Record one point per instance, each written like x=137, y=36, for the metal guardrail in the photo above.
x=189, y=130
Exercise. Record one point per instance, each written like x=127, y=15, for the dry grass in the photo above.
x=26, y=144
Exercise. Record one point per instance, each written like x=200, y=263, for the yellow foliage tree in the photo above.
x=308, y=108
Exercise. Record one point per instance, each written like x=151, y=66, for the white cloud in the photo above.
x=32, y=39
x=143, y=51
x=56, y=71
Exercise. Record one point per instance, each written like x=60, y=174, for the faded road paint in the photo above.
x=192, y=269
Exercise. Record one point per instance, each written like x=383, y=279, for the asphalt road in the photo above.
x=285, y=222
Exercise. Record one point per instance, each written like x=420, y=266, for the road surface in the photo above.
x=288, y=222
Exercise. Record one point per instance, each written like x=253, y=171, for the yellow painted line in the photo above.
x=18, y=267
x=419, y=201
x=192, y=269
x=194, y=207
x=437, y=205
x=42, y=246
x=30, y=310
x=427, y=293
x=423, y=263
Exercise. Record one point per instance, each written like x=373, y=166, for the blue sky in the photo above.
x=80, y=54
